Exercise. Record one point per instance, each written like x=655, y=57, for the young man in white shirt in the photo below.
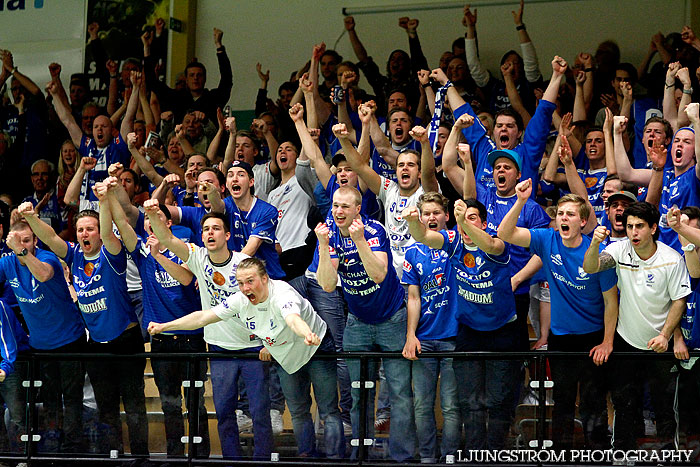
x=291, y=332
x=654, y=283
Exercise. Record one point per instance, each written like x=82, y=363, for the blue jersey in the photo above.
x=382, y=167
x=6, y=292
x=680, y=191
x=180, y=193
x=100, y=283
x=164, y=298
x=482, y=291
x=531, y=217
x=690, y=325
x=593, y=180
x=431, y=271
x=50, y=213
x=114, y=152
x=261, y=222
x=48, y=309
x=8, y=342
x=370, y=206
x=577, y=297
x=372, y=303
x=191, y=218
x=530, y=149
x=643, y=108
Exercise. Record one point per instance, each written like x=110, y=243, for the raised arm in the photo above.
x=309, y=145
x=133, y=105
x=120, y=195
x=427, y=159
x=610, y=163
x=146, y=168
x=64, y=114
x=593, y=261
x=657, y=157
x=42, y=230
x=376, y=263
x=9, y=66
x=163, y=233
x=419, y=231
x=508, y=230
x=530, y=62
x=640, y=177
x=357, y=47
x=484, y=241
x=72, y=195
x=686, y=235
x=109, y=240
x=348, y=78
x=516, y=102
x=40, y=270
x=364, y=171
x=576, y=185
x=126, y=231
x=455, y=174
x=692, y=110
x=178, y=272
x=327, y=272
x=479, y=73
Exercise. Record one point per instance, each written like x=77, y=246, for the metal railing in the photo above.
x=538, y=382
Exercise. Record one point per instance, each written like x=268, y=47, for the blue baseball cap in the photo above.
x=507, y=153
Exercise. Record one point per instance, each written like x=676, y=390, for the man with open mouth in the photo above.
x=654, y=284
x=357, y=250
x=291, y=332
x=676, y=186
x=214, y=265
x=509, y=129
x=98, y=265
x=583, y=311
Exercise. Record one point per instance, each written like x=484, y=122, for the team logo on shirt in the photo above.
x=387, y=182
x=556, y=259
x=89, y=268
x=469, y=260
x=650, y=278
x=407, y=266
x=451, y=236
x=435, y=254
x=373, y=242
x=582, y=275
x=347, y=242
x=218, y=278
x=591, y=182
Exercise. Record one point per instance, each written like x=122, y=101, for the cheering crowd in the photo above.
x=411, y=209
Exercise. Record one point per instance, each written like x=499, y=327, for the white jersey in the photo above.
x=267, y=321
x=265, y=182
x=217, y=282
x=293, y=206
x=397, y=228
x=647, y=288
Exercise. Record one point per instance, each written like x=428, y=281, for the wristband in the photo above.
x=670, y=85
x=12, y=71
x=220, y=49
x=114, y=76
x=588, y=70
x=688, y=91
x=657, y=169
x=426, y=85
x=520, y=27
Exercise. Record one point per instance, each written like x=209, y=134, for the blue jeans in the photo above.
x=13, y=395
x=224, y=383
x=276, y=395
x=488, y=387
x=330, y=306
x=388, y=336
x=297, y=390
x=168, y=376
x=425, y=378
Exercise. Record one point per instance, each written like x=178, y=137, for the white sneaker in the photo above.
x=276, y=420
x=245, y=423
